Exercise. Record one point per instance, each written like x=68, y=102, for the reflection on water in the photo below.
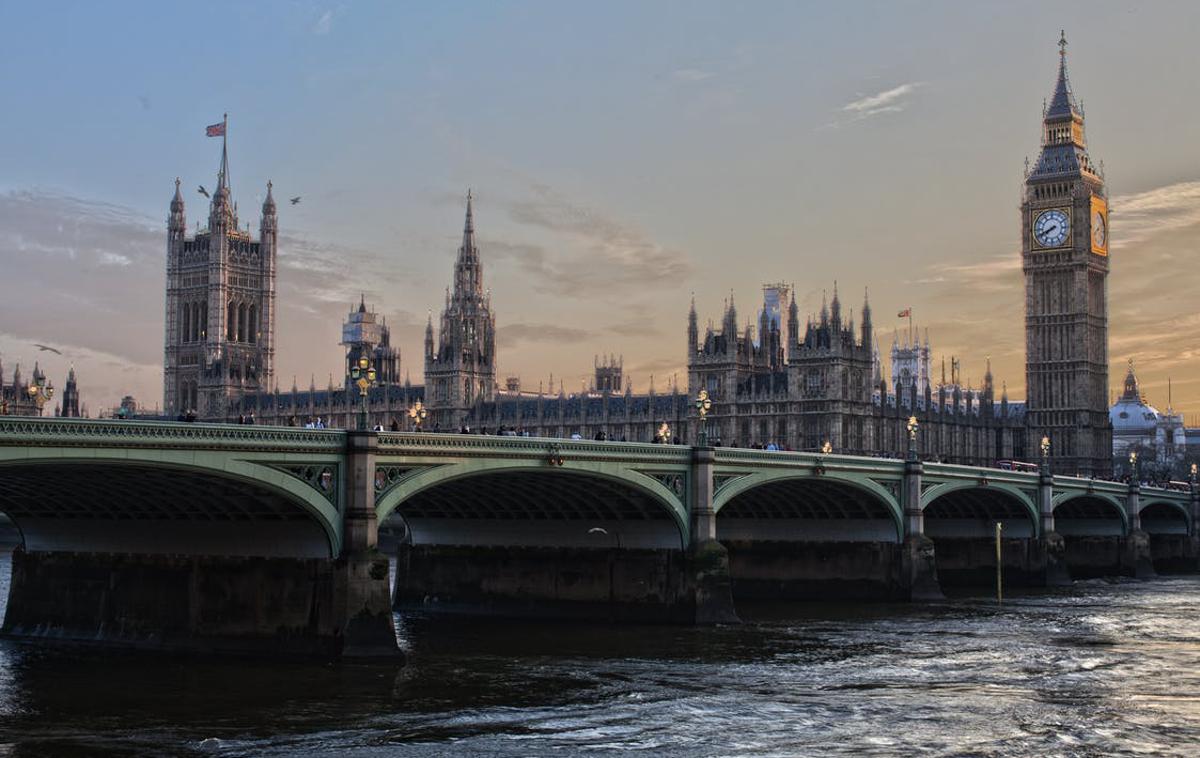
x=1099, y=668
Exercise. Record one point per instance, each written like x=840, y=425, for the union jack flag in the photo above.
x=906, y=313
x=215, y=130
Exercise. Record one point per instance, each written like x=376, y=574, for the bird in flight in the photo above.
x=296, y=200
x=204, y=192
x=47, y=348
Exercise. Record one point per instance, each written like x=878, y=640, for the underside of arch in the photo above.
x=807, y=509
x=1090, y=516
x=1164, y=518
x=972, y=512
x=540, y=508
x=111, y=507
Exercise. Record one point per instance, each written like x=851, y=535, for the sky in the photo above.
x=623, y=156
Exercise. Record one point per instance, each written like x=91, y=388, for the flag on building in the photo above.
x=906, y=313
x=215, y=130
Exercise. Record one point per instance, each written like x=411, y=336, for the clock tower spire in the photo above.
x=1064, y=255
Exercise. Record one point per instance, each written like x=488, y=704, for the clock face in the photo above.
x=1051, y=228
x=1099, y=230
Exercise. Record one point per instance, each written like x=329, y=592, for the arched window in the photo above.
x=185, y=322
x=231, y=322
x=252, y=327
x=241, y=330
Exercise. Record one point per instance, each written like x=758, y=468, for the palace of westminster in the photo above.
x=782, y=381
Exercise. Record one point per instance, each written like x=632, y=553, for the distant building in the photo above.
x=1140, y=426
x=220, y=305
x=364, y=333
x=15, y=399
x=70, y=397
x=1064, y=254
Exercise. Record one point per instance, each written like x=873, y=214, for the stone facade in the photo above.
x=220, y=306
x=1064, y=253
x=460, y=368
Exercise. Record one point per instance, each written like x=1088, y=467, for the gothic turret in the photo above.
x=693, y=328
x=868, y=331
x=177, y=223
x=835, y=309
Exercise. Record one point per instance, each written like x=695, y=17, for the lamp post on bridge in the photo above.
x=40, y=393
x=1045, y=467
x=417, y=414
x=363, y=374
x=912, y=427
x=1133, y=468
x=703, y=406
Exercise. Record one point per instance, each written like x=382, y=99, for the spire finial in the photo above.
x=1062, y=43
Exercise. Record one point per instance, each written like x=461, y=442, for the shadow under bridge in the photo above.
x=111, y=506
x=809, y=537
x=537, y=507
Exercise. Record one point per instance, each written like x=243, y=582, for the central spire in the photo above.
x=468, y=244
x=223, y=174
x=468, y=274
x=1062, y=102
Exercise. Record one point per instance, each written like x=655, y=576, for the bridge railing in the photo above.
x=479, y=445
x=72, y=432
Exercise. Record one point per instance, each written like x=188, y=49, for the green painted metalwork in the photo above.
x=946, y=487
x=306, y=465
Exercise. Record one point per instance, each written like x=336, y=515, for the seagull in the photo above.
x=204, y=192
x=296, y=200
x=47, y=348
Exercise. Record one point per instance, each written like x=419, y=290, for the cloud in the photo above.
x=324, y=23
x=691, y=75
x=995, y=274
x=1138, y=216
x=511, y=335
x=893, y=100
x=600, y=256
x=887, y=100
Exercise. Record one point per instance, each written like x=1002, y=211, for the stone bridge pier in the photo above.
x=194, y=538
x=553, y=528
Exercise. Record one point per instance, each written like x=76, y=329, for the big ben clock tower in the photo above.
x=1064, y=255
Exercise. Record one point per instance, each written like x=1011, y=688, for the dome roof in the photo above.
x=1133, y=416
x=1131, y=413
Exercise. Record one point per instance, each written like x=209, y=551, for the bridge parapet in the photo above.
x=33, y=431
x=419, y=444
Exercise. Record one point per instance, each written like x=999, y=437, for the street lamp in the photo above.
x=703, y=406
x=1045, y=452
x=912, y=426
x=40, y=393
x=1133, y=471
x=827, y=448
x=664, y=433
x=363, y=374
x=1193, y=473
x=417, y=414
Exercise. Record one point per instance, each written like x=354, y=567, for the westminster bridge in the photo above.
x=221, y=537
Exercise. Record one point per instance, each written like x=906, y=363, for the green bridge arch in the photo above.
x=1061, y=498
x=1172, y=504
x=859, y=482
x=947, y=487
x=429, y=477
x=228, y=466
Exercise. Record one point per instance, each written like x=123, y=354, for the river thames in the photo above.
x=1098, y=668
